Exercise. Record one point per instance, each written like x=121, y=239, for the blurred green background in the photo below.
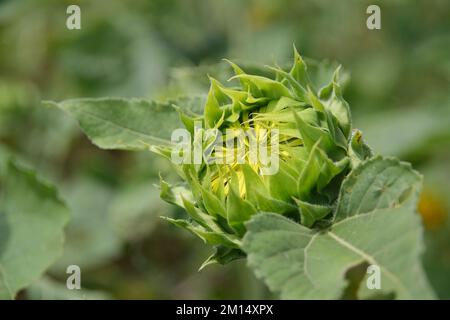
x=398, y=90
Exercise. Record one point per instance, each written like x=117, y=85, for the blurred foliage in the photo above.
x=398, y=92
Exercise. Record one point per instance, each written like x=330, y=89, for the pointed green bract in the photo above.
x=310, y=212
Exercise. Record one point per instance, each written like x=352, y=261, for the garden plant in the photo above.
x=332, y=211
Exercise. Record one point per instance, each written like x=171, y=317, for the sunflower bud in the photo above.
x=269, y=145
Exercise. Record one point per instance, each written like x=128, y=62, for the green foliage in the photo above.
x=375, y=223
x=32, y=219
x=161, y=49
x=87, y=245
x=122, y=124
x=330, y=207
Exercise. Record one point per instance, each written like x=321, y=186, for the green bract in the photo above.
x=315, y=150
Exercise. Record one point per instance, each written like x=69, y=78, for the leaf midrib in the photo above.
x=368, y=258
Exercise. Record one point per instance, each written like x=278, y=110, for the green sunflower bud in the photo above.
x=268, y=145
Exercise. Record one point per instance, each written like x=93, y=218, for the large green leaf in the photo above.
x=302, y=263
x=32, y=218
x=128, y=124
x=379, y=183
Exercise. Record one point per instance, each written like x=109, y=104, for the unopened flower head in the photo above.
x=268, y=145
